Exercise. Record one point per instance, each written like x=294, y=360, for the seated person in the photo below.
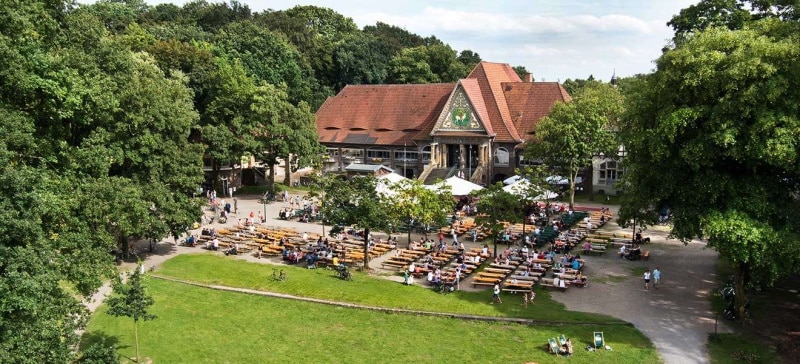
x=191, y=241
x=234, y=250
x=566, y=348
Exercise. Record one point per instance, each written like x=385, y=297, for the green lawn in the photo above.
x=204, y=325
x=320, y=283
x=739, y=348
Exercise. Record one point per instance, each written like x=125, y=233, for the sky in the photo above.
x=554, y=39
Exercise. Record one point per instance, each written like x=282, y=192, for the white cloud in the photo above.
x=435, y=20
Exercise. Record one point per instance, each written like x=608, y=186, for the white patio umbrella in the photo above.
x=385, y=182
x=559, y=180
x=522, y=188
x=458, y=186
x=511, y=180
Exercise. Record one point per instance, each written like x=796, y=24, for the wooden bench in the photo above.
x=548, y=283
x=481, y=283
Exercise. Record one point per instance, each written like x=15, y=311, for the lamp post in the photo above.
x=264, y=200
x=405, y=158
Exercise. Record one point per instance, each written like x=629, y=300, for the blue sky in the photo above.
x=553, y=39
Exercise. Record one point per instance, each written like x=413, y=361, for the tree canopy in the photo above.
x=719, y=148
x=578, y=130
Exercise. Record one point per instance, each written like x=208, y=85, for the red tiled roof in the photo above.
x=381, y=114
x=529, y=102
x=491, y=77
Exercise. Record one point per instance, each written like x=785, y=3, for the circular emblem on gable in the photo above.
x=460, y=117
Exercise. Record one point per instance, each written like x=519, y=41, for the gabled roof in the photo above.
x=491, y=77
x=473, y=93
x=529, y=102
x=381, y=114
x=473, y=90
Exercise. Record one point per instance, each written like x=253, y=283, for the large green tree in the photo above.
x=496, y=208
x=577, y=131
x=712, y=135
x=95, y=151
x=410, y=201
x=355, y=202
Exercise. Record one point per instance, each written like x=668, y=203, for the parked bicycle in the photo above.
x=343, y=273
x=278, y=276
x=728, y=291
x=730, y=311
x=443, y=288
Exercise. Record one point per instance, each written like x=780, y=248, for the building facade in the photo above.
x=475, y=128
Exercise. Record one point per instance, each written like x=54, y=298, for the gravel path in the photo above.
x=676, y=317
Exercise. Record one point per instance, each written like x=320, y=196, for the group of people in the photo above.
x=632, y=253
x=655, y=276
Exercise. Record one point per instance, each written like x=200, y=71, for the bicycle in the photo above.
x=279, y=277
x=343, y=273
x=730, y=312
x=443, y=288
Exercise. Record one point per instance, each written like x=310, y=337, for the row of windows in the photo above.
x=379, y=154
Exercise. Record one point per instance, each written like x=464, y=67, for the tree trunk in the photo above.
x=271, y=181
x=136, y=337
x=287, y=171
x=738, y=283
x=366, y=249
x=588, y=183
x=409, y=236
x=573, y=174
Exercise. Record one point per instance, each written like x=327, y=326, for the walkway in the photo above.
x=677, y=316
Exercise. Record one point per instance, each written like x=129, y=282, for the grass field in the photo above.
x=200, y=325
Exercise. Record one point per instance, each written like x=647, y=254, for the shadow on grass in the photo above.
x=99, y=337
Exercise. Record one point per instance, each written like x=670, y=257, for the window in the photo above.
x=377, y=155
x=353, y=155
x=501, y=157
x=609, y=172
x=405, y=155
x=426, y=154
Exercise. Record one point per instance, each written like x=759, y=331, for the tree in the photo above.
x=130, y=299
x=393, y=37
x=355, y=202
x=710, y=13
x=433, y=63
x=497, y=207
x=410, y=201
x=267, y=56
x=718, y=120
x=359, y=59
x=469, y=59
x=522, y=72
x=576, y=131
x=95, y=149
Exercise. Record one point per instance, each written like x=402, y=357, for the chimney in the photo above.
x=529, y=77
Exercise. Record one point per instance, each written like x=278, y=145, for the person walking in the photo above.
x=496, y=293
x=656, y=277
x=647, y=279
